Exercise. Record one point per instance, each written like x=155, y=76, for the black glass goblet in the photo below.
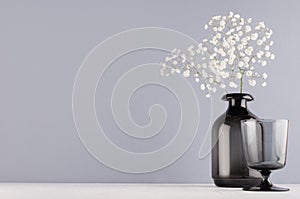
x=265, y=148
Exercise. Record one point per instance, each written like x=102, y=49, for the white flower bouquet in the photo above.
x=233, y=54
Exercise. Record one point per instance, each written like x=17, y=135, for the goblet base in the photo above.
x=271, y=188
x=265, y=184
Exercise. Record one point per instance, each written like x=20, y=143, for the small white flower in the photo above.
x=258, y=55
x=240, y=46
x=264, y=76
x=246, y=59
x=232, y=42
x=186, y=73
x=241, y=64
x=239, y=75
x=263, y=63
x=259, y=42
x=244, y=40
x=267, y=47
x=236, y=37
x=212, y=57
x=254, y=36
x=267, y=54
x=237, y=16
x=224, y=74
x=177, y=70
x=232, y=57
x=272, y=57
x=233, y=85
x=197, y=79
x=190, y=48
x=202, y=87
x=242, y=22
x=230, y=52
x=271, y=31
x=264, y=84
x=207, y=95
x=249, y=73
x=248, y=28
x=222, y=86
x=218, y=17
x=262, y=24
x=248, y=52
x=223, y=65
x=252, y=82
x=205, y=26
x=225, y=44
x=221, y=28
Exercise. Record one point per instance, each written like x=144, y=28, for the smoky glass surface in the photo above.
x=229, y=166
x=265, y=148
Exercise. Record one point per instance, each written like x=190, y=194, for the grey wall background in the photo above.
x=42, y=45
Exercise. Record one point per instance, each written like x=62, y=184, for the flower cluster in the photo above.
x=233, y=54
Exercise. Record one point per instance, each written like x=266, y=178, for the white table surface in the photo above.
x=133, y=191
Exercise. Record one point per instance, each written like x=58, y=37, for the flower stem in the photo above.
x=241, y=85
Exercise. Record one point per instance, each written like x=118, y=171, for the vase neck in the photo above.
x=237, y=103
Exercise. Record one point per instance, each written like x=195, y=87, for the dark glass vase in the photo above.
x=229, y=166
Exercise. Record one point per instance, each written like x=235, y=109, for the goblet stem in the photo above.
x=266, y=183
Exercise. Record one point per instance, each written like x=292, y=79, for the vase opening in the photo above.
x=237, y=100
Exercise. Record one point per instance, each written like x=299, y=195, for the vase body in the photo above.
x=229, y=167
